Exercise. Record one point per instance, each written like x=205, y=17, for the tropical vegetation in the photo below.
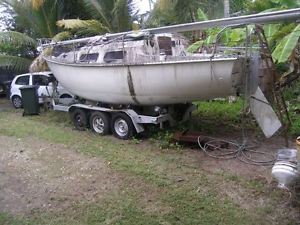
x=17, y=50
x=167, y=12
x=62, y=19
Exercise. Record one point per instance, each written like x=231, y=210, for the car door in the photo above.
x=20, y=82
x=44, y=88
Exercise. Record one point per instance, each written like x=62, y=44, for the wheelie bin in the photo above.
x=30, y=100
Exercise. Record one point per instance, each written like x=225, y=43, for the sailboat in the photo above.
x=151, y=69
x=144, y=69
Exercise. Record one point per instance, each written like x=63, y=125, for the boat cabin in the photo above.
x=132, y=49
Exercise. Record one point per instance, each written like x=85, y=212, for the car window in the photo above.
x=24, y=80
x=40, y=80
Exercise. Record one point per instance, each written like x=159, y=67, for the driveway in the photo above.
x=5, y=104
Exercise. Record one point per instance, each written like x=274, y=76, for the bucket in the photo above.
x=285, y=168
x=287, y=155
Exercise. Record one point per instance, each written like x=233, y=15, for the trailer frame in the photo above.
x=138, y=120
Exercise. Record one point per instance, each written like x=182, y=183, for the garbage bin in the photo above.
x=30, y=100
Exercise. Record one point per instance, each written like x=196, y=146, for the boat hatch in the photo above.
x=165, y=45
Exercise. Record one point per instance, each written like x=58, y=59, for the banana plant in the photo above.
x=282, y=38
x=286, y=46
x=230, y=37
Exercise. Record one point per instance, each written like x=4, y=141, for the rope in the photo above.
x=234, y=150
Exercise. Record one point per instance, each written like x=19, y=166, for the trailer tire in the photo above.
x=121, y=126
x=79, y=118
x=99, y=123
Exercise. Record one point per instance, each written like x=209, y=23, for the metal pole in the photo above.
x=272, y=17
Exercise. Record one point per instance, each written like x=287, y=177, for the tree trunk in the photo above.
x=226, y=9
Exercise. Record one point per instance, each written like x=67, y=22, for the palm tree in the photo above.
x=105, y=16
x=38, y=18
x=45, y=18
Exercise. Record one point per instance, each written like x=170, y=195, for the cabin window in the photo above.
x=114, y=56
x=165, y=45
x=91, y=57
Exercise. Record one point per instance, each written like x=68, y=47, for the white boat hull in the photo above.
x=157, y=83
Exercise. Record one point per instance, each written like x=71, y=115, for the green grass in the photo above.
x=6, y=219
x=294, y=112
x=221, y=110
x=219, y=116
x=215, y=117
x=144, y=167
x=292, y=96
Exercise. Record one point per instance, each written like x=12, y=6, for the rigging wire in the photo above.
x=224, y=149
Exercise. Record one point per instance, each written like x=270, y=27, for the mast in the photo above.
x=271, y=17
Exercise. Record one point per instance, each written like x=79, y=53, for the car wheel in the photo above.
x=17, y=102
x=122, y=126
x=99, y=123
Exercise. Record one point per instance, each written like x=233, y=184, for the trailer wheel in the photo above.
x=99, y=123
x=122, y=126
x=79, y=118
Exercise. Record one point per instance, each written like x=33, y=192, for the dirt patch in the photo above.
x=236, y=167
x=36, y=175
x=249, y=186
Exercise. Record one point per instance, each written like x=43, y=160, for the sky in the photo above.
x=3, y=15
x=143, y=5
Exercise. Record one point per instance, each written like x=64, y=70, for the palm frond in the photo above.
x=86, y=32
x=76, y=24
x=62, y=36
x=14, y=63
x=41, y=20
x=121, y=15
x=16, y=38
x=36, y=4
x=101, y=9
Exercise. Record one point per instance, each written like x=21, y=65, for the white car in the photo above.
x=42, y=80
